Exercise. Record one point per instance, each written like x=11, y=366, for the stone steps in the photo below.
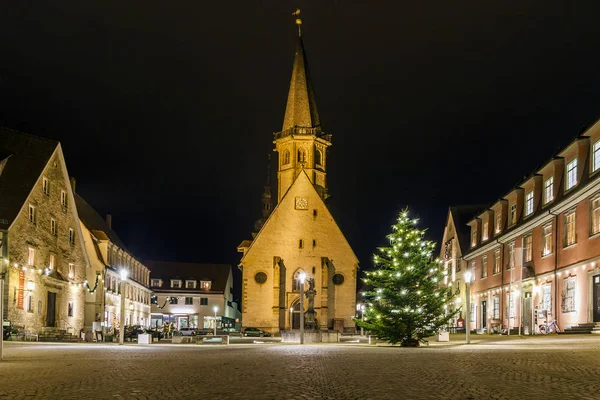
x=585, y=328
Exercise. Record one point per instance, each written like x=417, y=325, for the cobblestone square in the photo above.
x=565, y=367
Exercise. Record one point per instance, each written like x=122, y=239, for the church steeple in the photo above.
x=301, y=144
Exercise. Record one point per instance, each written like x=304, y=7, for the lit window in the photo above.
x=570, y=231
x=484, y=266
x=513, y=214
x=51, y=262
x=529, y=203
x=497, y=267
x=547, y=240
x=595, y=214
x=498, y=221
x=496, y=307
x=472, y=270
x=568, y=295
x=511, y=256
x=473, y=236
x=46, y=186
x=484, y=232
x=571, y=174
x=32, y=214
x=527, y=248
x=549, y=190
x=596, y=156
x=71, y=270
x=63, y=198
x=71, y=236
x=510, y=305
x=52, y=226
x=205, y=285
x=30, y=256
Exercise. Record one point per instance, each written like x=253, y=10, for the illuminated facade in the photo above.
x=535, y=253
x=300, y=234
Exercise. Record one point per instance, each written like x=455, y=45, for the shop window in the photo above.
x=568, y=295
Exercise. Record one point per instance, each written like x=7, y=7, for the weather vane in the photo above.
x=298, y=21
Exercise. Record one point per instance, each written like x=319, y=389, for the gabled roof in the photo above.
x=461, y=215
x=301, y=109
x=218, y=274
x=26, y=157
x=94, y=222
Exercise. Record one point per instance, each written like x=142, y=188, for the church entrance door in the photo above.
x=296, y=315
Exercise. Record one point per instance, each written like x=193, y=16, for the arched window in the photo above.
x=296, y=281
x=286, y=157
x=318, y=157
x=301, y=155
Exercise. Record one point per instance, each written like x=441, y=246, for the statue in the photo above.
x=310, y=320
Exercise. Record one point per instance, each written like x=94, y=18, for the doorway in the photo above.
x=527, y=316
x=483, y=314
x=596, y=299
x=51, y=309
x=296, y=316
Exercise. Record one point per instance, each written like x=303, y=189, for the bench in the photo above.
x=213, y=339
x=25, y=334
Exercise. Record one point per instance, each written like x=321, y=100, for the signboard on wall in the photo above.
x=21, y=292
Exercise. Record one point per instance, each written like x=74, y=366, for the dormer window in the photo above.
x=205, y=285
x=498, y=221
x=484, y=231
x=156, y=283
x=529, y=203
x=571, y=174
x=190, y=284
x=473, y=236
x=175, y=283
x=596, y=156
x=549, y=190
x=513, y=214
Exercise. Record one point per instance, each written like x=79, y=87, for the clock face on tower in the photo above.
x=301, y=203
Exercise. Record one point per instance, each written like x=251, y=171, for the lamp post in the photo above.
x=302, y=277
x=362, y=318
x=468, y=301
x=291, y=318
x=215, y=309
x=122, y=318
x=4, y=261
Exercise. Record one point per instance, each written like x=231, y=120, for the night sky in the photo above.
x=166, y=109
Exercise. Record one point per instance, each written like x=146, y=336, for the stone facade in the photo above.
x=46, y=255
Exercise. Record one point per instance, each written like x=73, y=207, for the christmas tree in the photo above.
x=407, y=299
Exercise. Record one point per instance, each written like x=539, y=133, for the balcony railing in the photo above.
x=303, y=130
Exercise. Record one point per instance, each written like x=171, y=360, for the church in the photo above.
x=298, y=235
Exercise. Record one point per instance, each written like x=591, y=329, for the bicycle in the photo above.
x=546, y=328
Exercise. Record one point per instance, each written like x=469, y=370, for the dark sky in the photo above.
x=165, y=109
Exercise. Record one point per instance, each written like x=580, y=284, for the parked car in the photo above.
x=255, y=332
x=187, y=332
x=6, y=329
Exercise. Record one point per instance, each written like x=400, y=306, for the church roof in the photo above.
x=301, y=109
x=25, y=157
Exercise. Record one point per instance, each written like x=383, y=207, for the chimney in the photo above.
x=109, y=220
x=73, y=183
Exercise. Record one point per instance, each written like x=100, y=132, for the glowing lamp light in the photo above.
x=302, y=277
x=215, y=309
x=468, y=276
x=123, y=274
x=131, y=307
x=30, y=286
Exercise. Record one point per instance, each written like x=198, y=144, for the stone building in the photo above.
x=44, y=260
x=300, y=234
x=186, y=294
x=534, y=253
x=108, y=256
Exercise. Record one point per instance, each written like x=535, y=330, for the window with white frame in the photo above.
x=510, y=305
x=32, y=214
x=472, y=271
x=472, y=311
x=529, y=203
x=30, y=256
x=549, y=190
x=510, y=264
x=571, y=174
x=175, y=283
x=63, y=198
x=189, y=301
x=71, y=236
x=156, y=283
x=595, y=215
x=473, y=236
x=498, y=221
x=547, y=240
x=596, y=156
x=513, y=214
x=570, y=231
x=205, y=285
x=484, y=231
x=203, y=301
x=484, y=266
x=568, y=295
x=497, y=265
x=71, y=270
x=546, y=297
x=51, y=262
x=46, y=186
x=52, y=226
x=496, y=307
x=527, y=248
x=190, y=284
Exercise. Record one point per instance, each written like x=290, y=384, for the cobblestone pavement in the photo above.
x=563, y=367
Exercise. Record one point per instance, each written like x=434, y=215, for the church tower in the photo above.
x=299, y=235
x=301, y=144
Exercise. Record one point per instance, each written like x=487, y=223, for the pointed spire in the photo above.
x=301, y=109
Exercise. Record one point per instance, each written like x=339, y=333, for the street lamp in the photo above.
x=215, y=309
x=123, y=274
x=301, y=278
x=362, y=318
x=468, y=301
x=291, y=318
